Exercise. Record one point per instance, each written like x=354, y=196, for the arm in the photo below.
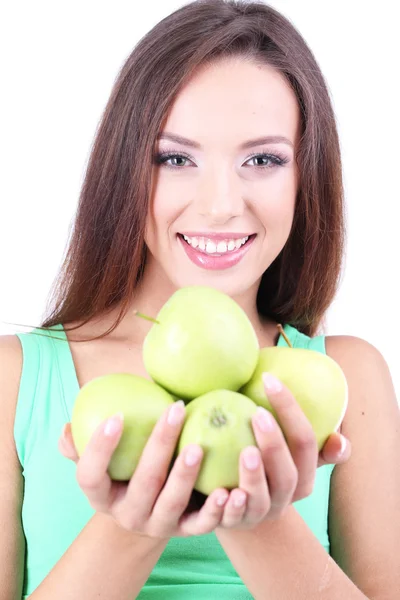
x=120, y=561
x=12, y=544
x=285, y=558
x=119, y=564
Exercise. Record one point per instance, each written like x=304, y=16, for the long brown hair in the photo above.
x=106, y=253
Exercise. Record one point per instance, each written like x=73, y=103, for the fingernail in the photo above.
x=192, y=456
x=343, y=444
x=114, y=424
x=176, y=413
x=239, y=500
x=251, y=459
x=271, y=383
x=222, y=499
x=265, y=420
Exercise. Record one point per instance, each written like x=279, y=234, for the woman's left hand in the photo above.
x=280, y=471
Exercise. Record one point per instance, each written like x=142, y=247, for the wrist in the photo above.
x=128, y=539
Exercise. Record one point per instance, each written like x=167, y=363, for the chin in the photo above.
x=233, y=284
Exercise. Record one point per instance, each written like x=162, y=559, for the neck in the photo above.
x=155, y=289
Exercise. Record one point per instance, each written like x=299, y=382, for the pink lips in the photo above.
x=216, y=261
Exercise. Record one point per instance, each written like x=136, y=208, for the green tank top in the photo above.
x=55, y=509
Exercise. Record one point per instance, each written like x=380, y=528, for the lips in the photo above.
x=216, y=251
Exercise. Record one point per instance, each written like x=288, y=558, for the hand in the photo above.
x=283, y=470
x=152, y=503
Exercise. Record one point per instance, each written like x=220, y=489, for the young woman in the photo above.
x=216, y=163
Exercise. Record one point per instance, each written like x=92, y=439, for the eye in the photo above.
x=163, y=157
x=270, y=160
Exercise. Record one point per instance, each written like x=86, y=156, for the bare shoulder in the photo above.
x=367, y=374
x=11, y=360
x=12, y=486
x=364, y=509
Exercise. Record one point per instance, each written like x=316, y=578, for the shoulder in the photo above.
x=11, y=359
x=367, y=373
x=363, y=365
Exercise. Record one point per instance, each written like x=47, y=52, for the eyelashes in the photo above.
x=273, y=160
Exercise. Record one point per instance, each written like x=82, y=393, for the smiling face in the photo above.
x=221, y=211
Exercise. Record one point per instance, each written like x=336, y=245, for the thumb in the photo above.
x=336, y=450
x=66, y=444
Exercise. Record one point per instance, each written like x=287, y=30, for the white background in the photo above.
x=58, y=64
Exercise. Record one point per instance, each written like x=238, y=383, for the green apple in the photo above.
x=141, y=402
x=202, y=340
x=316, y=381
x=220, y=422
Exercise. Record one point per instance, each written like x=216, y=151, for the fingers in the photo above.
x=280, y=468
x=207, y=518
x=91, y=472
x=174, y=497
x=300, y=437
x=66, y=444
x=336, y=450
x=150, y=475
x=253, y=482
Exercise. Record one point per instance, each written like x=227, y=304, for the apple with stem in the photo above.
x=201, y=340
x=316, y=381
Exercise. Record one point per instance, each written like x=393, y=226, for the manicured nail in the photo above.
x=271, y=383
x=239, y=500
x=221, y=500
x=251, y=459
x=192, y=456
x=343, y=444
x=114, y=425
x=176, y=413
x=265, y=421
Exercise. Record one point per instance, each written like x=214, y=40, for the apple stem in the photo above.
x=280, y=329
x=142, y=316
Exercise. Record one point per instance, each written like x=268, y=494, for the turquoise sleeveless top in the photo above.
x=55, y=509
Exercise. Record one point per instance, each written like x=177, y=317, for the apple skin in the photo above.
x=141, y=401
x=316, y=381
x=220, y=422
x=203, y=341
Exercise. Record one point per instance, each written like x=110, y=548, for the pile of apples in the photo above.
x=202, y=348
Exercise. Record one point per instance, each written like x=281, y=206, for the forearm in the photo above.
x=104, y=561
x=283, y=560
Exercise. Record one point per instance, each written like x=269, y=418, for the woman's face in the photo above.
x=222, y=204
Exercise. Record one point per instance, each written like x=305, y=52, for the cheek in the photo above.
x=275, y=209
x=164, y=210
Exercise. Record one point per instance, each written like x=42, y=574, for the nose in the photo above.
x=219, y=197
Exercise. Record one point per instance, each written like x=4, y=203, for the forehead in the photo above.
x=233, y=99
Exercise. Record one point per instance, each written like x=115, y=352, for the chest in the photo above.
x=96, y=358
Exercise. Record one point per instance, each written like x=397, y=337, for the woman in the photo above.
x=181, y=190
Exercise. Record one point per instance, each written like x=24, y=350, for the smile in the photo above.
x=217, y=252
x=210, y=246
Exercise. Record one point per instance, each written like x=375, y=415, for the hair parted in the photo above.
x=106, y=250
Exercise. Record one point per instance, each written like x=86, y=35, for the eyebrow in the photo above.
x=268, y=139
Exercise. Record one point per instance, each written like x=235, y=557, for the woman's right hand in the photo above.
x=153, y=503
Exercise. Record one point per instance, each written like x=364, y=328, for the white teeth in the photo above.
x=222, y=247
x=209, y=246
